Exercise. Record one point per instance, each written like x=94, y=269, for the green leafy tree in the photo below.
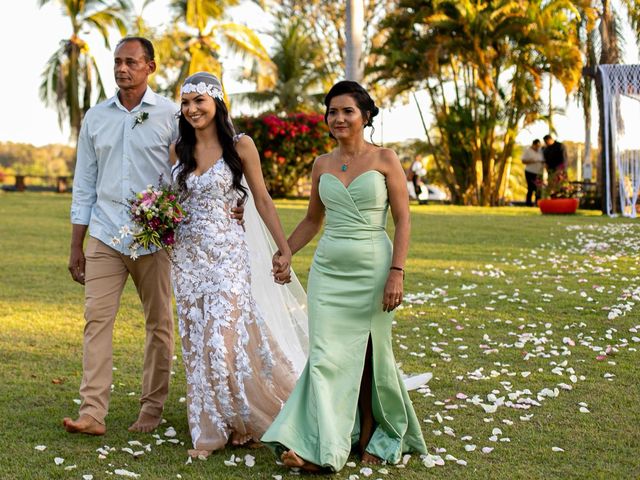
x=482, y=64
x=301, y=76
x=71, y=80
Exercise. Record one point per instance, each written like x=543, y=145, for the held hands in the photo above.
x=281, y=268
x=393, y=290
x=76, y=264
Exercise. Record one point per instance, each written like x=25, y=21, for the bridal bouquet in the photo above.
x=155, y=213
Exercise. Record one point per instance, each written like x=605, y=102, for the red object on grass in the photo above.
x=558, y=205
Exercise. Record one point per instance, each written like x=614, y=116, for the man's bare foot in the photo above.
x=145, y=423
x=292, y=460
x=84, y=424
x=369, y=459
x=202, y=454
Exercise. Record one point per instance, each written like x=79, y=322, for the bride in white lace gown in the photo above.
x=237, y=376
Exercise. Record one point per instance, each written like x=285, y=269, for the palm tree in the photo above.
x=301, y=75
x=71, y=76
x=195, y=45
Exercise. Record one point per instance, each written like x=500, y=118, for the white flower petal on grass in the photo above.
x=58, y=461
x=87, y=477
x=584, y=410
x=489, y=408
x=351, y=464
x=469, y=448
x=487, y=449
x=77, y=401
x=461, y=462
x=70, y=467
x=229, y=463
x=429, y=461
x=125, y=473
x=249, y=460
x=557, y=449
x=366, y=471
x=40, y=448
x=170, y=432
x=383, y=471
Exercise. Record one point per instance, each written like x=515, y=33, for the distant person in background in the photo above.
x=415, y=174
x=555, y=155
x=534, y=167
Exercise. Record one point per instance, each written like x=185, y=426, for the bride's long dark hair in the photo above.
x=186, y=144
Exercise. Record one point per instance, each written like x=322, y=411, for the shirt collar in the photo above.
x=148, y=98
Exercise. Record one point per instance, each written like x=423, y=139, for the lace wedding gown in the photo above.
x=237, y=376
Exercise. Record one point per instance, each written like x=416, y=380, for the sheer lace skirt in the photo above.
x=237, y=380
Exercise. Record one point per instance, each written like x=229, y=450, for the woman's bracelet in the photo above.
x=399, y=269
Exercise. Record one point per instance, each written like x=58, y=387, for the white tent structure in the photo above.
x=621, y=100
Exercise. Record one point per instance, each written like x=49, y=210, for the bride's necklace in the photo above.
x=347, y=161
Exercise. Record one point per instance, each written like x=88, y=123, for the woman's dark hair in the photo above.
x=186, y=144
x=363, y=100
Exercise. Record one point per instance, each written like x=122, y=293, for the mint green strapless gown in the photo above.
x=320, y=419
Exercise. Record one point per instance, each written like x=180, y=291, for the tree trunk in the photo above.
x=609, y=54
x=355, y=27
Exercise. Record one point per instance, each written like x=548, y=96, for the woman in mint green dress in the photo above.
x=351, y=393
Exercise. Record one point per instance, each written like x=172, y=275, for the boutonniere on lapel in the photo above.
x=140, y=117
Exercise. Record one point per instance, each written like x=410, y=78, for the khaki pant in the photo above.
x=106, y=273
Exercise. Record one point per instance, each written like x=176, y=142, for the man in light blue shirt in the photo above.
x=123, y=146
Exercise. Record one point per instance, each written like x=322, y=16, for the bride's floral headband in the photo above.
x=201, y=83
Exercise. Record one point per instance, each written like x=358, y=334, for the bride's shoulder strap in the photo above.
x=237, y=137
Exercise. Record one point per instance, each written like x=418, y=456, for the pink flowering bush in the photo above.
x=288, y=145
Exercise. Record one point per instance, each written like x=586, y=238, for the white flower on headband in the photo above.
x=202, y=88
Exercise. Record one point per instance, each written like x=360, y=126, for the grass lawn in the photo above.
x=530, y=325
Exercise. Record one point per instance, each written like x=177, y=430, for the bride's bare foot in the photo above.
x=202, y=454
x=145, y=423
x=369, y=459
x=84, y=424
x=240, y=439
x=292, y=460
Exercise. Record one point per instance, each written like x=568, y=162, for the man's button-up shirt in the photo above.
x=118, y=156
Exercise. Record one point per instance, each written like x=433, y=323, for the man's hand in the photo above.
x=237, y=213
x=76, y=264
